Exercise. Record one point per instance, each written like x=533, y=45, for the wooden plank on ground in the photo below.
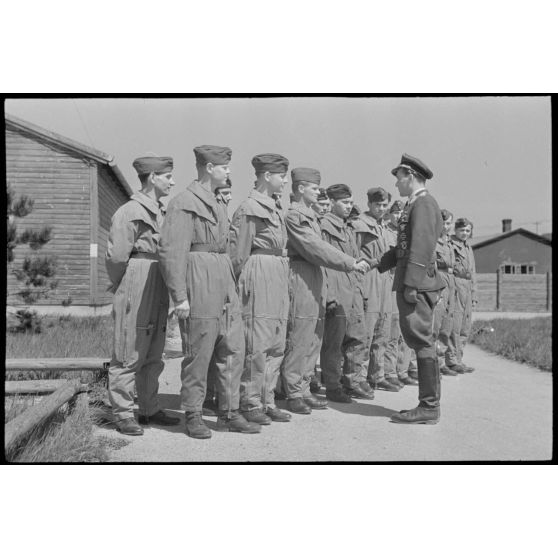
x=22, y=425
x=32, y=386
x=57, y=363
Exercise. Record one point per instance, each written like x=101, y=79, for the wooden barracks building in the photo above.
x=76, y=189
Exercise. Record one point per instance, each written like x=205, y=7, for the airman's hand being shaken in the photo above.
x=361, y=266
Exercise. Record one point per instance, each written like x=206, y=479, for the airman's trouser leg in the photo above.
x=465, y=324
x=139, y=339
x=354, y=349
x=392, y=348
x=229, y=358
x=265, y=346
x=416, y=322
x=147, y=378
x=455, y=352
x=377, y=326
x=305, y=328
x=331, y=356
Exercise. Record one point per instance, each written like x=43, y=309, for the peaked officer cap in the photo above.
x=270, y=162
x=377, y=195
x=145, y=165
x=212, y=154
x=412, y=163
x=338, y=192
x=306, y=174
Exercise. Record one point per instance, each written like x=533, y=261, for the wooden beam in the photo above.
x=32, y=386
x=93, y=232
x=57, y=364
x=22, y=425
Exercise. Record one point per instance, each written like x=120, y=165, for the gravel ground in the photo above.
x=502, y=411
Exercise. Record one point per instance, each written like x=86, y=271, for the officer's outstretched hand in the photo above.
x=182, y=310
x=361, y=266
x=410, y=295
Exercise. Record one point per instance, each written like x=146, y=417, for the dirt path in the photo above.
x=502, y=411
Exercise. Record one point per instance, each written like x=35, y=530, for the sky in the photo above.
x=491, y=156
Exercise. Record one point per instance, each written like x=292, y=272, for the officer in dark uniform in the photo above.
x=417, y=283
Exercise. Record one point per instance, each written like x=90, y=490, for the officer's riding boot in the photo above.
x=428, y=410
x=195, y=427
x=235, y=422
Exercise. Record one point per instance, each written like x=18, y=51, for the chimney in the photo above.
x=506, y=225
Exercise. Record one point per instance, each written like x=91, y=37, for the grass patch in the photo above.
x=65, y=337
x=68, y=436
x=523, y=340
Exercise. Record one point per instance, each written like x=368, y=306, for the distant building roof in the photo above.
x=71, y=145
x=484, y=240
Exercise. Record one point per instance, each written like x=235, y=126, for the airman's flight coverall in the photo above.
x=140, y=306
x=307, y=251
x=344, y=341
x=258, y=239
x=466, y=288
x=373, y=243
x=443, y=315
x=196, y=266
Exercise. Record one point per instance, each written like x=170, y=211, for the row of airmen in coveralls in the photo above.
x=260, y=298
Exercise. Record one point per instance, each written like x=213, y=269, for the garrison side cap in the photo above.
x=306, y=174
x=212, y=154
x=270, y=162
x=145, y=165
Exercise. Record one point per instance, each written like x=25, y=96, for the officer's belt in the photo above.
x=144, y=256
x=207, y=248
x=269, y=252
x=462, y=274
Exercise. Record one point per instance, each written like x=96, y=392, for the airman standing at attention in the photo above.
x=344, y=343
x=321, y=207
x=466, y=299
x=258, y=240
x=210, y=406
x=443, y=313
x=307, y=253
x=199, y=274
x=397, y=355
x=373, y=243
x=141, y=300
x=417, y=283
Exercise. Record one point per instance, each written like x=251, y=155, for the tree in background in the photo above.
x=35, y=273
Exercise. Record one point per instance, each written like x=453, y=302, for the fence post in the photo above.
x=548, y=290
x=498, y=279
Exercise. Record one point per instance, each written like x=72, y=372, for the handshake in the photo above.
x=364, y=265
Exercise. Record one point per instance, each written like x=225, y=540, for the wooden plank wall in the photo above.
x=523, y=293
x=486, y=292
x=111, y=197
x=59, y=184
x=518, y=293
